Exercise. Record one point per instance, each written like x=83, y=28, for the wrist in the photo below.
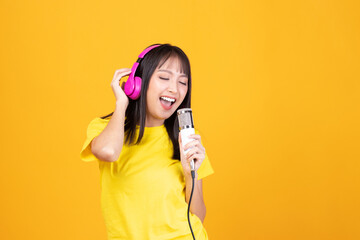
x=121, y=105
x=188, y=176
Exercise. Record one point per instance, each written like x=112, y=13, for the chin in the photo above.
x=166, y=116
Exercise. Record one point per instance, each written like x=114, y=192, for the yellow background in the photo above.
x=275, y=94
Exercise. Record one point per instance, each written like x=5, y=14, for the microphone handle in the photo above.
x=185, y=133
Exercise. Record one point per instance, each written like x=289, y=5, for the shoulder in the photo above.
x=98, y=123
x=100, y=120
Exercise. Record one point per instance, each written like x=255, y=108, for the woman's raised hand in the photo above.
x=115, y=85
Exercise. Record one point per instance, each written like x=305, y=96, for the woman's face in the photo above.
x=167, y=89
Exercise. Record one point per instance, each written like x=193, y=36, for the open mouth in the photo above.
x=167, y=101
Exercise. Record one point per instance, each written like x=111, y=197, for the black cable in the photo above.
x=192, y=190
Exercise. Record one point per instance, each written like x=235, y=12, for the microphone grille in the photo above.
x=185, y=118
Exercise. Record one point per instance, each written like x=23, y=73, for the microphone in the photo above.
x=186, y=127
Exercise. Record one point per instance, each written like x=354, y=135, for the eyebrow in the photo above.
x=164, y=70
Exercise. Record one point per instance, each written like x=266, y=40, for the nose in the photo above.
x=172, y=86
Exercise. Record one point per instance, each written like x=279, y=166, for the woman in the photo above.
x=145, y=177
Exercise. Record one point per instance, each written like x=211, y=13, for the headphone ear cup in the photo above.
x=137, y=88
x=129, y=86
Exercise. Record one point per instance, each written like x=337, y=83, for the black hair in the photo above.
x=136, y=110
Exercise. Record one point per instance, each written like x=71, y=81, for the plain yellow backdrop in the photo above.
x=275, y=94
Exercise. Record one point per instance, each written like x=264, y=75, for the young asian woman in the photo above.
x=145, y=177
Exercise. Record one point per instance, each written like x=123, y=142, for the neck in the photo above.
x=153, y=122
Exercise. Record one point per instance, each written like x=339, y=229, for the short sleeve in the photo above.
x=205, y=168
x=95, y=127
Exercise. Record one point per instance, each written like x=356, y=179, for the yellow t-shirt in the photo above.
x=143, y=192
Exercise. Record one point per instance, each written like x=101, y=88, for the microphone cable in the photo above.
x=192, y=190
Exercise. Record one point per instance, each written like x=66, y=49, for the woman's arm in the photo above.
x=108, y=144
x=197, y=205
x=197, y=153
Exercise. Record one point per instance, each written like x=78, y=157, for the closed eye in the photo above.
x=164, y=78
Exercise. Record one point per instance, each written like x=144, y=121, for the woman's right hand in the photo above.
x=115, y=85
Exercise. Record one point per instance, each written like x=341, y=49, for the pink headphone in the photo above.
x=132, y=87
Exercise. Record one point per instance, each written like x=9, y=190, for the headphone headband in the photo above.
x=141, y=56
x=147, y=50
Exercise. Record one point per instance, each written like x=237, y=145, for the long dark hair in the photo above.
x=136, y=110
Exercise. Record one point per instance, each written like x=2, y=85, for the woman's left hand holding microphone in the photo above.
x=196, y=152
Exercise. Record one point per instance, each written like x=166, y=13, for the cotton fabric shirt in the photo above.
x=143, y=192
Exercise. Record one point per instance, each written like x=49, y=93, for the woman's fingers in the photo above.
x=196, y=136
x=118, y=75
x=198, y=159
x=180, y=143
x=121, y=73
x=195, y=155
x=193, y=151
x=115, y=85
x=195, y=143
x=181, y=147
x=122, y=70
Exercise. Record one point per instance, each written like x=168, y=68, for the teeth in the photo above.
x=168, y=99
